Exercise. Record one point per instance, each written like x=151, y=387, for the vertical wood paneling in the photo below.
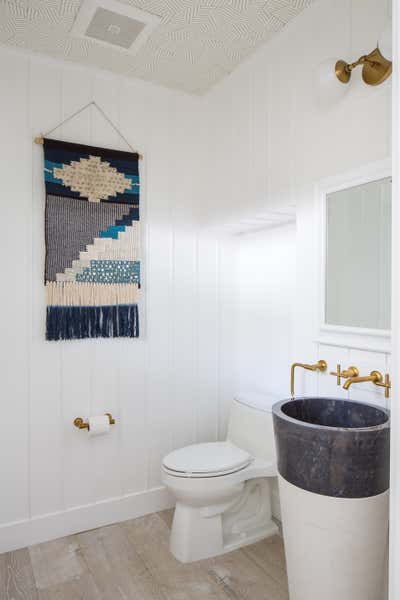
x=15, y=207
x=266, y=119
x=208, y=337
x=133, y=425
x=159, y=338
x=132, y=360
x=184, y=393
x=105, y=451
x=175, y=384
x=163, y=388
x=77, y=356
x=265, y=301
x=260, y=135
x=159, y=273
x=46, y=399
x=227, y=376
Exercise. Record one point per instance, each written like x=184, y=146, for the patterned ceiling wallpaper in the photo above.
x=196, y=44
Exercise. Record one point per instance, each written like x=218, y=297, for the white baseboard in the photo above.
x=20, y=534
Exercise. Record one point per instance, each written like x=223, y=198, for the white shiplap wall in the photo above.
x=265, y=308
x=256, y=143
x=271, y=142
x=166, y=389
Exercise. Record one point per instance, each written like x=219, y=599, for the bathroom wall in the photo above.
x=266, y=278
x=165, y=388
x=254, y=146
x=271, y=141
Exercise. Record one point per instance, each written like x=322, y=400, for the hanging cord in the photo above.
x=40, y=139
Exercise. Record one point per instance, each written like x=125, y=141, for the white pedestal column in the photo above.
x=336, y=548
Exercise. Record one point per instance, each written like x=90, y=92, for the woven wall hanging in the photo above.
x=92, y=266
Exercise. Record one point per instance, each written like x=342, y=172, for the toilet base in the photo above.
x=201, y=532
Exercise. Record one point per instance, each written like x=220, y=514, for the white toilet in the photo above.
x=223, y=489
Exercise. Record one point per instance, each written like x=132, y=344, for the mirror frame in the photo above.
x=355, y=337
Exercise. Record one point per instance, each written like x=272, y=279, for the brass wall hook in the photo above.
x=339, y=374
x=321, y=366
x=81, y=424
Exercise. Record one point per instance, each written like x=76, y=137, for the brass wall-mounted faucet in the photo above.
x=321, y=365
x=339, y=374
x=374, y=377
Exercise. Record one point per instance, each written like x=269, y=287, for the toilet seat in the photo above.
x=206, y=460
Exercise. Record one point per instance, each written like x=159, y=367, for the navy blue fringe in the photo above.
x=79, y=322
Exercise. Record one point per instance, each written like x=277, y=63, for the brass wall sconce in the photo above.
x=334, y=75
x=375, y=68
x=321, y=366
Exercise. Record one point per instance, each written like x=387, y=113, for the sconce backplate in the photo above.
x=342, y=71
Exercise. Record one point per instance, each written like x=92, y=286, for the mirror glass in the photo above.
x=358, y=256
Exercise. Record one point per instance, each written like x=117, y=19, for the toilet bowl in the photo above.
x=223, y=489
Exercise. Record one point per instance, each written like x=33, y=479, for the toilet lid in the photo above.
x=207, y=459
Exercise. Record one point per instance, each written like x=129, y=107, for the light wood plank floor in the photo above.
x=131, y=561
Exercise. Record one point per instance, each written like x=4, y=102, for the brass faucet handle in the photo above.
x=322, y=365
x=351, y=372
x=339, y=374
x=387, y=384
x=377, y=377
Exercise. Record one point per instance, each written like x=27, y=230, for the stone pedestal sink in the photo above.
x=333, y=464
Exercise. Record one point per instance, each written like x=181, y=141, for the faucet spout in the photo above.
x=321, y=365
x=374, y=377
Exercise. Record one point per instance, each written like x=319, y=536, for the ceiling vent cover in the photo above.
x=113, y=24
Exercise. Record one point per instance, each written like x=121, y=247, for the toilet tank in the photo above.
x=251, y=426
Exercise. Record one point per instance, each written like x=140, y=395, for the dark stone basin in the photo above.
x=332, y=446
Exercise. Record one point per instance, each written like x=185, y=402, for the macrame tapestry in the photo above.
x=92, y=267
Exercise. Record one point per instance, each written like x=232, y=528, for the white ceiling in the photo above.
x=196, y=44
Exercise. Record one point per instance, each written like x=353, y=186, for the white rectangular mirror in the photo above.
x=358, y=256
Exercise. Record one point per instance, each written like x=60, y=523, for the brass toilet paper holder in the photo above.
x=81, y=424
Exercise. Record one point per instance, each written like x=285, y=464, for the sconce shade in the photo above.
x=376, y=69
x=329, y=88
x=385, y=42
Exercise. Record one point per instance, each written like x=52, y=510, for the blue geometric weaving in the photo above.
x=92, y=265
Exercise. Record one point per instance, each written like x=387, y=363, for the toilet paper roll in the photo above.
x=99, y=425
